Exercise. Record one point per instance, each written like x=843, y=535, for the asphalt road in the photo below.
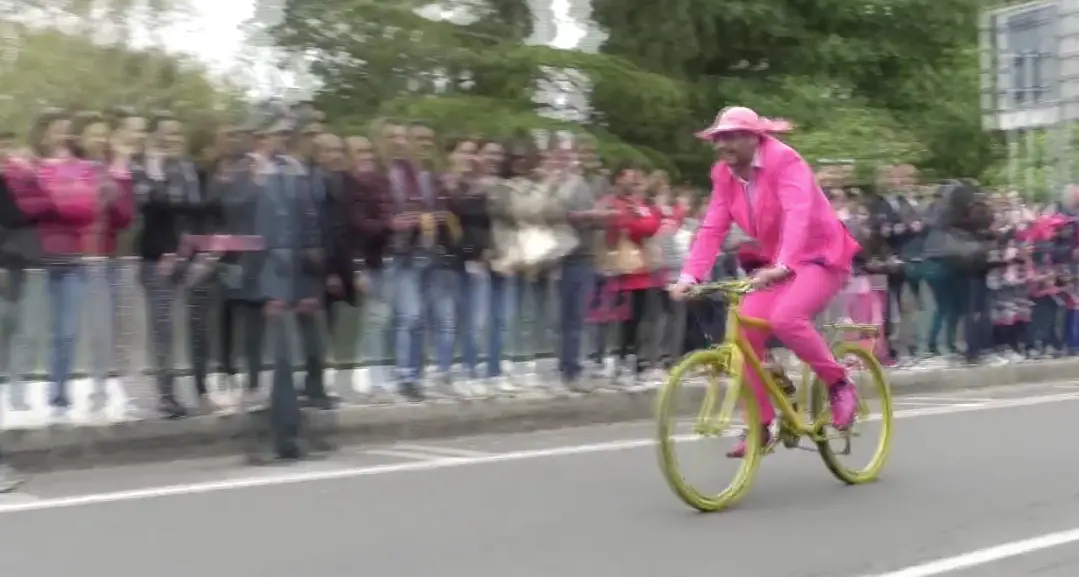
x=969, y=471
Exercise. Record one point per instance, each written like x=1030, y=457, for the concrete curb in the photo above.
x=158, y=440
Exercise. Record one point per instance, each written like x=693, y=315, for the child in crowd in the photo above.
x=1010, y=305
x=1043, y=338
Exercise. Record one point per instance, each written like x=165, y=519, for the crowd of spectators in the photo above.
x=999, y=268
x=280, y=223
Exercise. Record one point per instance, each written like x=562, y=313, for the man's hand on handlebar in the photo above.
x=769, y=276
x=679, y=291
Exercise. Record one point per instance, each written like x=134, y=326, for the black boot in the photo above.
x=170, y=408
x=167, y=404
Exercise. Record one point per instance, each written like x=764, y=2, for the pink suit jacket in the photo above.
x=792, y=221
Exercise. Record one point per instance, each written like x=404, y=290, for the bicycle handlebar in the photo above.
x=728, y=288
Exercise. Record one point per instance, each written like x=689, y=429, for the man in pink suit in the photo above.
x=769, y=191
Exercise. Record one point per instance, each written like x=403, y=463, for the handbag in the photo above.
x=628, y=257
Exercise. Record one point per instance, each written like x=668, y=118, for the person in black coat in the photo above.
x=340, y=188
x=19, y=250
x=174, y=205
x=470, y=206
x=335, y=196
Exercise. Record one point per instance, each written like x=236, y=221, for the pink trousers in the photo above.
x=790, y=307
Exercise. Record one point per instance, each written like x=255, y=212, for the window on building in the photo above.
x=1031, y=41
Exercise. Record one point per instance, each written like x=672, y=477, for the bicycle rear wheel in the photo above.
x=716, y=417
x=873, y=390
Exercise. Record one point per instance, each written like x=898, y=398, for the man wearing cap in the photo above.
x=768, y=190
x=270, y=200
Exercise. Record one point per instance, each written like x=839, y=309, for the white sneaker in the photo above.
x=461, y=389
x=478, y=388
x=995, y=360
x=502, y=386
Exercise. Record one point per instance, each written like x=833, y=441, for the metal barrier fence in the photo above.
x=359, y=353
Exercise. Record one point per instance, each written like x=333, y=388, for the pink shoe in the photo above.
x=739, y=451
x=843, y=397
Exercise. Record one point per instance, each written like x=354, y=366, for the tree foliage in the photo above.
x=874, y=80
x=87, y=60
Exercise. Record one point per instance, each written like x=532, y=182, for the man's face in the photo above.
x=492, y=157
x=422, y=140
x=906, y=177
x=735, y=148
x=135, y=132
x=330, y=152
x=274, y=141
x=885, y=178
x=306, y=145
x=170, y=135
x=396, y=139
x=826, y=177
x=586, y=154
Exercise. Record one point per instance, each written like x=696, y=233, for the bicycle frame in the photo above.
x=736, y=341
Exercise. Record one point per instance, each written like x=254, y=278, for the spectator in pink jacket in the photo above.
x=78, y=204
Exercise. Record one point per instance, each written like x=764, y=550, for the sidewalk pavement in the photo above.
x=76, y=444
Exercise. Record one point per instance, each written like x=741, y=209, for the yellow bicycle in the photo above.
x=730, y=358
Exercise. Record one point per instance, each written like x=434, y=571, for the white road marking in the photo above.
x=929, y=404
x=951, y=399
x=431, y=465
x=443, y=451
x=987, y=555
x=403, y=454
x=18, y=498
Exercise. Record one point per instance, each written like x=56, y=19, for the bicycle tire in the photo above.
x=882, y=392
x=666, y=415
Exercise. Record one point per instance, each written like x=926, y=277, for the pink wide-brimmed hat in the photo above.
x=742, y=119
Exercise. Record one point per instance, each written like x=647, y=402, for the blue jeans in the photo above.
x=473, y=291
x=66, y=286
x=376, y=339
x=69, y=288
x=949, y=293
x=502, y=291
x=423, y=293
x=574, y=290
x=529, y=307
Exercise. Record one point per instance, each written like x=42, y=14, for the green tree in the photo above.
x=471, y=73
x=877, y=80
x=92, y=63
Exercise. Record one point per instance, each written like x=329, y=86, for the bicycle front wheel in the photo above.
x=718, y=398
x=842, y=451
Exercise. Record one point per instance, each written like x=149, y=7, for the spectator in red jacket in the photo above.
x=78, y=204
x=635, y=221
